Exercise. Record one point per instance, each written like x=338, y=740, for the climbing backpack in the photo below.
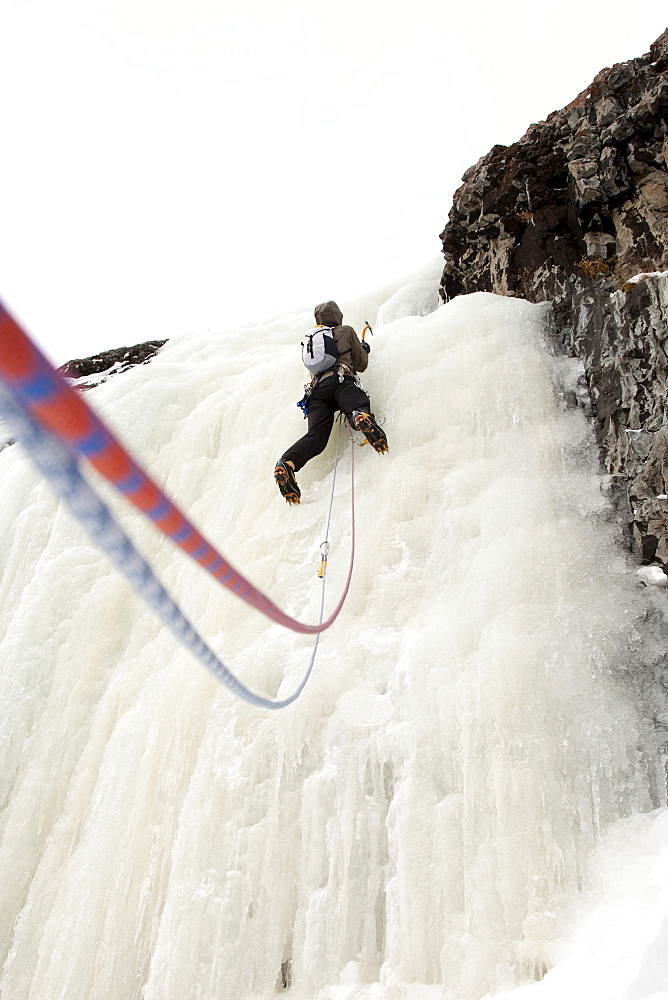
x=319, y=349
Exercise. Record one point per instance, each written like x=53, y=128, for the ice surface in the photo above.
x=418, y=297
x=618, y=935
x=415, y=825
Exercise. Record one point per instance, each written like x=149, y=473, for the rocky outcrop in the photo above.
x=577, y=212
x=86, y=373
x=89, y=372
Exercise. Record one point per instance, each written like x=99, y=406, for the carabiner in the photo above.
x=324, y=551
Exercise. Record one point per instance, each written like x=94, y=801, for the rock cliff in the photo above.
x=88, y=372
x=576, y=212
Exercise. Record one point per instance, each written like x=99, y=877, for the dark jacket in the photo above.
x=348, y=343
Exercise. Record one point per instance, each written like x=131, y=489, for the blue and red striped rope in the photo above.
x=62, y=411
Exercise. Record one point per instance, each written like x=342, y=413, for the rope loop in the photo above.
x=60, y=468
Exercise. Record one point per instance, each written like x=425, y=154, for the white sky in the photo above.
x=176, y=165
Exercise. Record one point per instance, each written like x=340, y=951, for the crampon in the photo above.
x=364, y=422
x=287, y=484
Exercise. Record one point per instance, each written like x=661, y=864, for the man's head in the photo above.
x=328, y=314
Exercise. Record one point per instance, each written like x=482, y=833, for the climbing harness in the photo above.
x=303, y=402
x=344, y=370
x=45, y=395
x=60, y=468
x=341, y=370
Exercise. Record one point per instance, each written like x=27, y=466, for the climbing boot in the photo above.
x=364, y=422
x=284, y=475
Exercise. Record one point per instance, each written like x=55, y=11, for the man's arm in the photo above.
x=359, y=356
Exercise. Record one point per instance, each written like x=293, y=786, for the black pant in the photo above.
x=327, y=397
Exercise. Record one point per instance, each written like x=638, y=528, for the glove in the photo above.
x=365, y=346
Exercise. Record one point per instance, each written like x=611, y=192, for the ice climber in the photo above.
x=334, y=355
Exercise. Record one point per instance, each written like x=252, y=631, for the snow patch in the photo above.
x=646, y=274
x=652, y=576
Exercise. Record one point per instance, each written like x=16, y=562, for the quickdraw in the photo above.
x=324, y=553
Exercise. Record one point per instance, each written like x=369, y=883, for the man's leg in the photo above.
x=320, y=420
x=356, y=405
x=350, y=397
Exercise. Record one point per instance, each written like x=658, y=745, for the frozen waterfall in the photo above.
x=409, y=827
